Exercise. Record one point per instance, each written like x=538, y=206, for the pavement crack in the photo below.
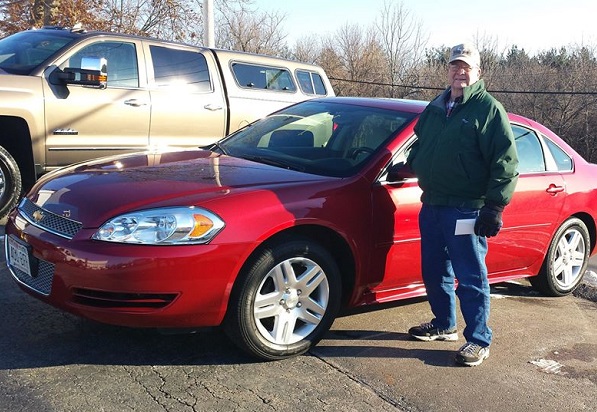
x=401, y=404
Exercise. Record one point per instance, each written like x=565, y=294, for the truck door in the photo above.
x=188, y=104
x=84, y=122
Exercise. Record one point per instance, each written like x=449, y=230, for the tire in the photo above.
x=11, y=185
x=566, y=260
x=285, y=301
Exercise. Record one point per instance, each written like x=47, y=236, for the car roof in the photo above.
x=410, y=106
x=407, y=105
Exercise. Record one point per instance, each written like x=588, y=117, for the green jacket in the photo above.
x=469, y=158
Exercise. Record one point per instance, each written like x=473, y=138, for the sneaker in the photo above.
x=428, y=332
x=471, y=354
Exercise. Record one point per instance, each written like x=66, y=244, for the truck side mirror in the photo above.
x=93, y=72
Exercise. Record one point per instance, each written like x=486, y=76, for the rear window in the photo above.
x=252, y=76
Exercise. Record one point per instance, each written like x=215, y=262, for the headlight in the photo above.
x=167, y=226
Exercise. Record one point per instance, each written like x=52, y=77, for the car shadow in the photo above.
x=370, y=344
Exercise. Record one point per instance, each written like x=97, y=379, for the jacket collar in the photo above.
x=467, y=93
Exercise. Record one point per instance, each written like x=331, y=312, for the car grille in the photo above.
x=41, y=279
x=130, y=301
x=46, y=220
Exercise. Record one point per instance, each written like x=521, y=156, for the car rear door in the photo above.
x=534, y=212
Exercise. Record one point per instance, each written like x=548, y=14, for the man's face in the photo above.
x=460, y=74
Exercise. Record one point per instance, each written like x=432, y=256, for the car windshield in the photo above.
x=319, y=137
x=22, y=52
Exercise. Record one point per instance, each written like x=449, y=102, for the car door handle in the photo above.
x=212, y=107
x=135, y=103
x=554, y=189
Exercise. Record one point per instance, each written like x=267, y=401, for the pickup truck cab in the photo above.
x=68, y=95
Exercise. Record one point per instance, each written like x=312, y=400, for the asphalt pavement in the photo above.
x=544, y=358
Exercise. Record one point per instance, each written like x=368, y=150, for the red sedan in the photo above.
x=273, y=229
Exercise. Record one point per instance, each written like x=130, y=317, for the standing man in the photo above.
x=465, y=159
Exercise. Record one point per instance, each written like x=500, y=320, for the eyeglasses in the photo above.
x=457, y=67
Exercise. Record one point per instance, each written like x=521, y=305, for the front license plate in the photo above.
x=18, y=255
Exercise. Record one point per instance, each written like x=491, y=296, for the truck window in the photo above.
x=311, y=83
x=175, y=68
x=21, y=52
x=253, y=76
x=121, y=57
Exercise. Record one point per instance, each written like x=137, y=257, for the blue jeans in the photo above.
x=446, y=257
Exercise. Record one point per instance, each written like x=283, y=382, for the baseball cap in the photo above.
x=467, y=53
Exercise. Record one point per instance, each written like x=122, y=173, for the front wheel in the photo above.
x=285, y=300
x=566, y=260
x=10, y=182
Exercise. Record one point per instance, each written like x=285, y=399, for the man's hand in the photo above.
x=489, y=221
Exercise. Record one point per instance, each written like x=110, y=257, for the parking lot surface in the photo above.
x=544, y=358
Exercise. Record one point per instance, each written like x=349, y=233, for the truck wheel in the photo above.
x=10, y=182
x=285, y=301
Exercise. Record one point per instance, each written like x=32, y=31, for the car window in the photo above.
x=252, y=76
x=121, y=58
x=311, y=83
x=324, y=138
x=563, y=161
x=175, y=68
x=530, y=153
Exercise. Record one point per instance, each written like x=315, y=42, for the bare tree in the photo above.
x=307, y=49
x=241, y=27
x=360, y=61
x=167, y=19
x=402, y=42
x=178, y=20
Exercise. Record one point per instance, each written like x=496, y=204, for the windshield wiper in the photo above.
x=215, y=145
x=274, y=162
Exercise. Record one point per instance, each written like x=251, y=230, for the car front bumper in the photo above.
x=129, y=285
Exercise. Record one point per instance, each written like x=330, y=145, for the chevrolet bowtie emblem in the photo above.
x=38, y=215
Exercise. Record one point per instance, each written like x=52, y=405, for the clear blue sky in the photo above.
x=534, y=25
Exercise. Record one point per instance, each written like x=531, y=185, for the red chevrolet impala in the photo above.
x=272, y=230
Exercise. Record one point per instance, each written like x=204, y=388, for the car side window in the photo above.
x=175, y=68
x=530, y=153
x=121, y=58
x=252, y=76
x=311, y=83
x=563, y=161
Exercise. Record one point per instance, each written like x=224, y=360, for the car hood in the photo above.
x=95, y=191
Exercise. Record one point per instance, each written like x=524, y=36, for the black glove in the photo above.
x=489, y=221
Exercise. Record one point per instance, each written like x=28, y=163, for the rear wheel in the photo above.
x=285, y=301
x=566, y=260
x=10, y=182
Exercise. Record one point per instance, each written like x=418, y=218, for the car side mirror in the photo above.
x=399, y=172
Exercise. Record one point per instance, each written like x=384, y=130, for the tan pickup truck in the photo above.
x=68, y=95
